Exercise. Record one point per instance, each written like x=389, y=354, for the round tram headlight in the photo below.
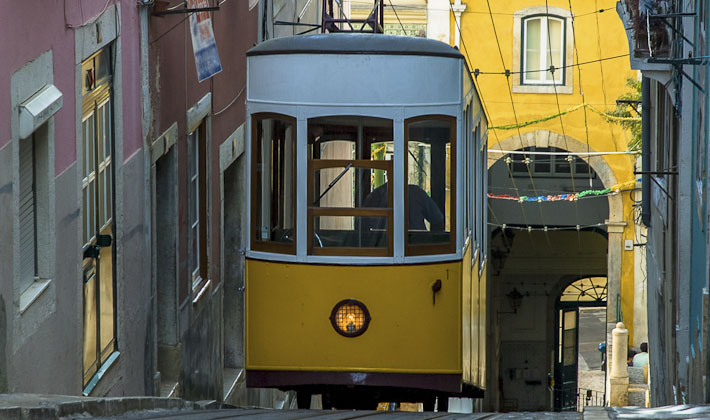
x=350, y=318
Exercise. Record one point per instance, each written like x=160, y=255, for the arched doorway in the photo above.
x=539, y=250
x=576, y=340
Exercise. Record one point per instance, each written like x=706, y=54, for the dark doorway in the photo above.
x=589, y=292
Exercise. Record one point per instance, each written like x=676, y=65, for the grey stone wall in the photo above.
x=202, y=350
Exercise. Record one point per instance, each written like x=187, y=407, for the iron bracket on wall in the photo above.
x=162, y=9
x=673, y=28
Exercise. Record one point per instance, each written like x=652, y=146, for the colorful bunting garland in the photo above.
x=567, y=197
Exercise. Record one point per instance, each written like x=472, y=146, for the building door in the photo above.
x=98, y=215
x=565, y=390
x=573, y=351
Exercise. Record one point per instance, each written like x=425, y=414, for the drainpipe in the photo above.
x=646, y=151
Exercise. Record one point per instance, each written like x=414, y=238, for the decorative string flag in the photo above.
x=605, y=115
x=615, y=189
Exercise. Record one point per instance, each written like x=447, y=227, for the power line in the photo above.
x=601, y=71
x=515, y=115
x=397, y=15
x=559, y=110
x=509, y=72
x=589, y=153
x=488, y=115
x=362, y=5
x=545, y=228
x=581, y=91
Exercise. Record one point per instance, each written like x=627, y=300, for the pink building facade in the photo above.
x=110, y=284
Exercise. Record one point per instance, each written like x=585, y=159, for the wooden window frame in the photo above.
x=388, y=212
x=442, y=248
x=270, y=246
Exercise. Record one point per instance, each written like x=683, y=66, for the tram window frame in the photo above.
x=345, y=129
x=448, y=247
x=262, y=244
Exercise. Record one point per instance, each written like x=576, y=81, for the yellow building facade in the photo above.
x=508, y=43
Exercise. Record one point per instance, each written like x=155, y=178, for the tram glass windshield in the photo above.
x=429, y=213
x=349, y=205
x=274, y=190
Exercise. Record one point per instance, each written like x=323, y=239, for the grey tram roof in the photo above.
x=354, y=43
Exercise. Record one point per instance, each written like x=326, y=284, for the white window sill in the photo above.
x=202, y=290
x=32, y=293
x=100, y=374
x=561, y=89
x=233, y=378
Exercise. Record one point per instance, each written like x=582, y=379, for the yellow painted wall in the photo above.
x=289, y=305
x=597, y=35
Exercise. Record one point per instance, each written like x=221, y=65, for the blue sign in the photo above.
x=204, y=46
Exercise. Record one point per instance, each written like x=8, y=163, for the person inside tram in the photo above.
x=421, y=207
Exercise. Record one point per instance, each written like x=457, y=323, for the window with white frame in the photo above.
x=197, y=207
x=543, y=50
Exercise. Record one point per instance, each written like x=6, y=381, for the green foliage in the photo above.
x=626, y=109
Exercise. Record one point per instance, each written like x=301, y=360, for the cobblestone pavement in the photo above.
x=340, y=415
x=592, y=379
x=669, y=412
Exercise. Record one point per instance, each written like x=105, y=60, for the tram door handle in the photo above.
x=435, y=288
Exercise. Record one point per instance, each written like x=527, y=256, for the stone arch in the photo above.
x=615, y=223
x=546, y=138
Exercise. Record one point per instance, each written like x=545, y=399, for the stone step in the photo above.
x=637, y=396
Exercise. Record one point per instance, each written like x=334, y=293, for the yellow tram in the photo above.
x=365, y=267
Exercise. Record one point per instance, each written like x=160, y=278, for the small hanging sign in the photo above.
x=203, y=43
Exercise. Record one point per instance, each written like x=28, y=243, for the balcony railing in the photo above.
x=650, y=32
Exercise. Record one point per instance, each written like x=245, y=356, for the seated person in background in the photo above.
x=630, y=357
x=641, y=359
x=421, y=207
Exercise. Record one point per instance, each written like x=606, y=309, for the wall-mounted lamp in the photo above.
x=515, y=298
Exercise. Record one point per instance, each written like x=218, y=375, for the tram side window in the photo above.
x=349, y=204
x=431, y=177
x=274, y=183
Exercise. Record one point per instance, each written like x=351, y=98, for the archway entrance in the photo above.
x=580, y=328
x=544, y=238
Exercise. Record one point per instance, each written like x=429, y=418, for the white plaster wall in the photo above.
x=438, y=23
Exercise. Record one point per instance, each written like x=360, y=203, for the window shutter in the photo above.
x=27, y=213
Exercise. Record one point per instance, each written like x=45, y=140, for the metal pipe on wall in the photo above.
x=646, y=151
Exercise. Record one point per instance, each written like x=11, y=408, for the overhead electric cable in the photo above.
x=601, y=72
x=628, y=152
x=581, y=91
x=515, y=115
x=485, y=110
x=508, y=72
x=570, y=159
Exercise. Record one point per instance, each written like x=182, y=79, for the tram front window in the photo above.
x=429, y=211
x=349, y=158
x=274, y=183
